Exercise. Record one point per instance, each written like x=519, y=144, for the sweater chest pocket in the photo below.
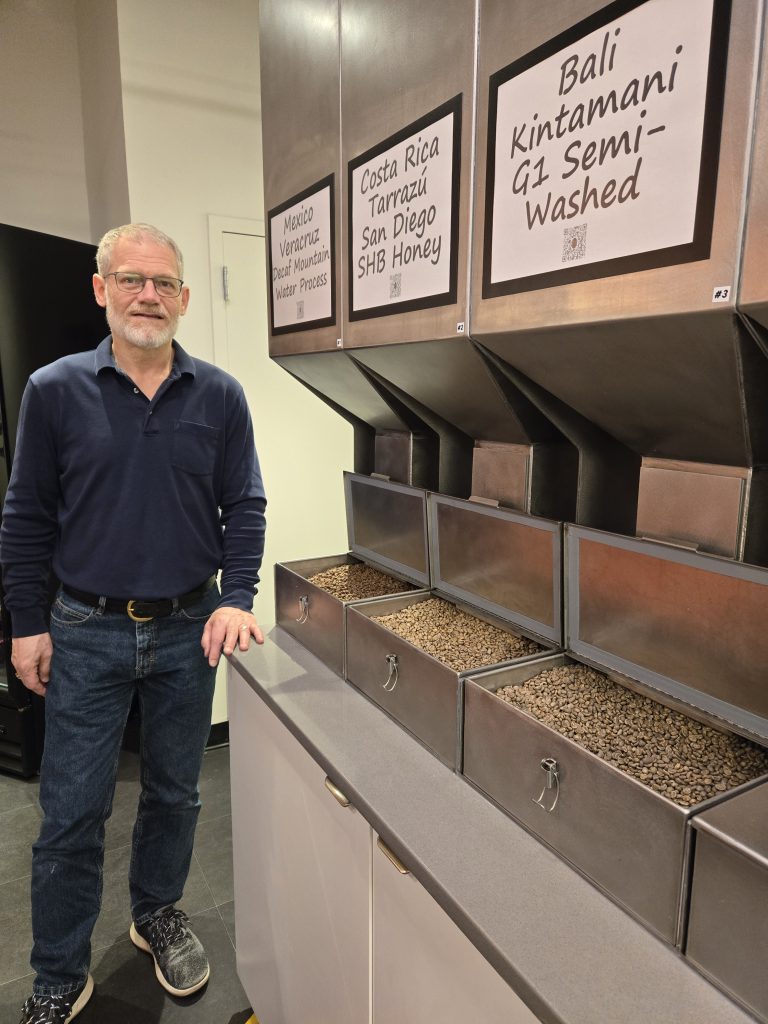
x=194, y=447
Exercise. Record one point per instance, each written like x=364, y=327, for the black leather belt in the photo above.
x=141, y=611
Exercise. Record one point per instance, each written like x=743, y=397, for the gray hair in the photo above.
x=134, y=232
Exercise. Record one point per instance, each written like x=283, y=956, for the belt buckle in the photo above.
x=136, y=618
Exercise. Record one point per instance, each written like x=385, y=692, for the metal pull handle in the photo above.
x=303, y=609
x=391, y=857
x=391, y=682
x=336, y=793
x=551, y=784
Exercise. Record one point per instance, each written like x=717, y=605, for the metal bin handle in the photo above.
x=551, y=782
x=391, y=682
x=303, y=609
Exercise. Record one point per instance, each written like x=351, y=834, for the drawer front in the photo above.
x=418, y=692
x=317, y=622
x=628, y=840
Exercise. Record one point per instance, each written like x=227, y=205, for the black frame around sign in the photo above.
x=308, y=325
x=699, y=247
x=452, y=106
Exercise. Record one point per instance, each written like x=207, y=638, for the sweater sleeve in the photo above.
x=30, y=516
x=242, y=506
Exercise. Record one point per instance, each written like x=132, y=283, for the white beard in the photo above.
x=146, y=334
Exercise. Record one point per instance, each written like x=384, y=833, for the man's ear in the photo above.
x=100, y=290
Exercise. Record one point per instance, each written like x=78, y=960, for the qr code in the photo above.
x=300, y=310
x=574, y=243
x=395, y=285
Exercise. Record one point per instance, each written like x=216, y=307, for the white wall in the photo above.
x=191, y=105
x=42, y=162
x=102, y=104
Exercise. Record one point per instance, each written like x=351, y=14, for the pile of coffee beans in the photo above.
x=676, y=756
x=457, y=639
x=357, y=582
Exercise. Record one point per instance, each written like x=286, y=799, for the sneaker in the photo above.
x=57, y=1009
x=181, y=965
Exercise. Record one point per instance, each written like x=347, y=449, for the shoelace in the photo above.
x=47, y=1009
x=167, y=928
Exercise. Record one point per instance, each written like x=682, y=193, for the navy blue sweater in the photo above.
x=127, y=497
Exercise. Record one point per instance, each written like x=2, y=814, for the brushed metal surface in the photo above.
x=335, y=376
x=426, y=697
x=323, y=631
x=753, y=287
x=450, y=378
x=387, y=523
x=675, y=617
x=668, y=388
x=728, y=926
x=394, y=456
x=502, y=472
x=699, y=504
x=299, y=53
x=627, y=839
x=399, y=61
x=501, y=561
x=508, y=32
x=741, y=822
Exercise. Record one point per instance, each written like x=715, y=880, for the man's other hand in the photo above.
x=31, y=657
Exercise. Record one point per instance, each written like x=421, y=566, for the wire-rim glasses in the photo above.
x=127, y=281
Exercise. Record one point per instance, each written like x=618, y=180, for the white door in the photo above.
x=304, y=446
x=302, y=877
x=425, y=970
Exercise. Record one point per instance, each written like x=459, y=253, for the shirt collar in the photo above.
x=182, y=363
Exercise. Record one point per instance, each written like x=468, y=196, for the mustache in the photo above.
x=153, y=308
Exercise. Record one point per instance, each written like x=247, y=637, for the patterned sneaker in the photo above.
x=56, y=1009
x=181, y=965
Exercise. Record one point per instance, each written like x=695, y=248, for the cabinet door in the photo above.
x=302, y=877
x=424, y=968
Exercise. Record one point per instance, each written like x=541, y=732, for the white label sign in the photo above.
x=598, y=146
x=402, y=219
x=301, y=260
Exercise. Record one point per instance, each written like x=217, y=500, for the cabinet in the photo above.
x=327, y=929
x=302, y=867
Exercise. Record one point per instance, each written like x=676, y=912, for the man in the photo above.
x=135, y=478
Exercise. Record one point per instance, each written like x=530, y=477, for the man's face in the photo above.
x=144, y=318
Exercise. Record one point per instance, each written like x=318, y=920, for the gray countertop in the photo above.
x=570, y=954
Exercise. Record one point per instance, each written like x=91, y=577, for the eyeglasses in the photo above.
x=168, y=287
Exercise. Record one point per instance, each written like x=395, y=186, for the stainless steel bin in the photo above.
x=387, y=529
x=728, y=924
x=682, y=628
x=503, y=567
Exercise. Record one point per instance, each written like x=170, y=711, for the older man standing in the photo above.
x=135, y=479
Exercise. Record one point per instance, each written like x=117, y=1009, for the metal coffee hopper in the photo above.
x=387, y=530
x=728, y=927
x=501, y=566
x=683, y=628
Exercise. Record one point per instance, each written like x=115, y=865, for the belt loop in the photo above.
x=102, y=604
x=175, y=604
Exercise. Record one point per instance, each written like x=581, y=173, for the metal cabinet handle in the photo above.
x=551, y=783
x=391, y=682
x=391, y=857
x=303, y=609
x=336, y=793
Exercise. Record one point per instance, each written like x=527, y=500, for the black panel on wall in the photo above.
x=47, y=310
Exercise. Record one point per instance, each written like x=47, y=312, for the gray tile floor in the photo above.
x=126, y=989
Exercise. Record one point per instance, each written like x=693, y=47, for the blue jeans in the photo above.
x=100, y=660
